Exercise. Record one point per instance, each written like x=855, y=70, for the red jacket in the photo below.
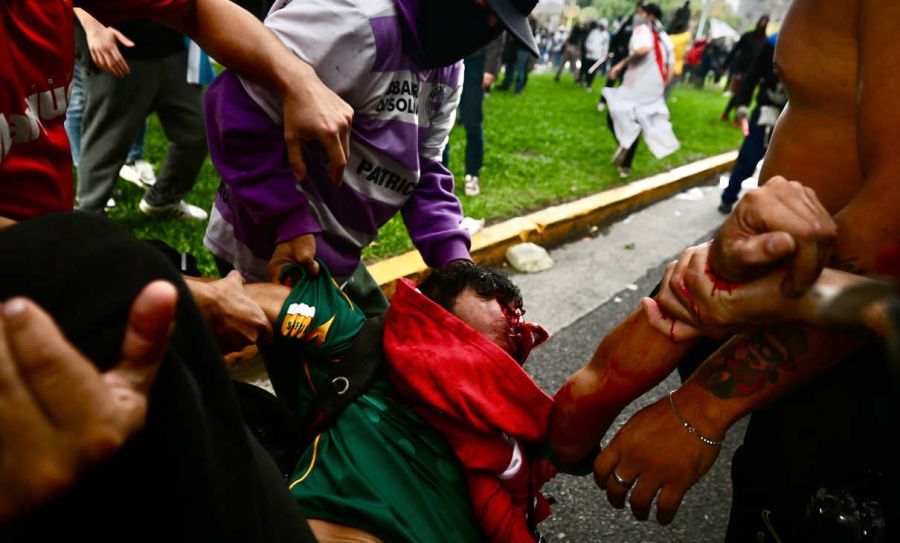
x=482, y=401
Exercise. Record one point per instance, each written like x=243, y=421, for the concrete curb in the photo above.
x=557, y=223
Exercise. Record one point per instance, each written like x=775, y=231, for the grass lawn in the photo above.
x=545, y=146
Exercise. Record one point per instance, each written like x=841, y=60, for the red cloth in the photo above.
x=695, y=55
x=35, y=79
x=657, y=50
x=478, y=397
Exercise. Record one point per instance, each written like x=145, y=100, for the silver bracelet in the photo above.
x=690, y=427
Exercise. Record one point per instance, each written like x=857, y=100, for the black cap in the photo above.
x=514, y=15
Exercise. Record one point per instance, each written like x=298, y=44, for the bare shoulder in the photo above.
x=817, y=49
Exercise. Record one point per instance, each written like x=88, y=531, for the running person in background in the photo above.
x=770, y=101
x=396, y=63
x=596, y=51
x=638, y=106
x=570, y=52
x=618, y=49
x=741, y=57
x=680, y=35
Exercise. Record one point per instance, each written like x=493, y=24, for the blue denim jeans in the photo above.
x=752, y=151
x=471, y=113
x=522, y=59
x=75, y=111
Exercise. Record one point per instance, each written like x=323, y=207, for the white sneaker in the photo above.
x=619, y=156
x=624, y=172
x=140, y=173
x=601, y=106
x=472, y=186
x=182, y=211
x=111, y=203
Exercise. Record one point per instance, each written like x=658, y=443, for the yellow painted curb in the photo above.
x=556, y=223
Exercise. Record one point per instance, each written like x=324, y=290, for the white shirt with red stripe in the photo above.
x=638, y=106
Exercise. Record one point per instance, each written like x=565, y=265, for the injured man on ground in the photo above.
x=418, y=425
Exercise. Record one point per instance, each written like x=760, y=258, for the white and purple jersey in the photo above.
x=364, y=50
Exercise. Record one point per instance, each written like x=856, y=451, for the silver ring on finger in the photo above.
x=619, y=479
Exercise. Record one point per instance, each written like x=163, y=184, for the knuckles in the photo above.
x=42, y=358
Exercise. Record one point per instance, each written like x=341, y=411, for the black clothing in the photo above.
x=745, y=51
x=762, y=73
x=577, y=36
x=194, y=473
x=151, y=39
x=829, y=434
x=618, y=44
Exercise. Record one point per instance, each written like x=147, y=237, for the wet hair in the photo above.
x=444, y=285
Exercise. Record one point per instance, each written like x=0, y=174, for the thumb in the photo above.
x=312, y=267
x=150, y=325
x=763, y=249
x=295, y=157
x=121, y=38
x=274, y=269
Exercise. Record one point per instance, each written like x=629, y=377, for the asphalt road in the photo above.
x=594, y=284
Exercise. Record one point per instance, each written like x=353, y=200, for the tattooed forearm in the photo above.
x=746, y=365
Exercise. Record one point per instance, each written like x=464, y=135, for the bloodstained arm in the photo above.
x=630, y=360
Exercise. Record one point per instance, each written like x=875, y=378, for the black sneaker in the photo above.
x=725, y=208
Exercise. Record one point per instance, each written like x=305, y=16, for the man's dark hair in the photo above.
x=444, y=285
x=652, y=9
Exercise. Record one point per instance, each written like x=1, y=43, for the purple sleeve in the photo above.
x=432, y=216
x=248, y=150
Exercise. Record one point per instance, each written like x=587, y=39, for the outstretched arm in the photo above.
x=630, y=360
x=103, y=42
x=269, y=297
x=655, y=448
x=312, y=112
